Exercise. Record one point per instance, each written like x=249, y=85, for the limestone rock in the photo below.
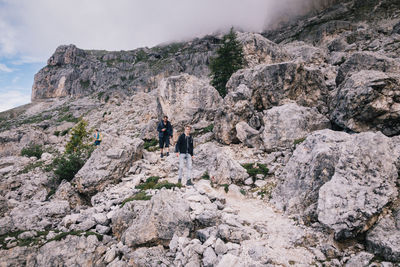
x=108, y=163
x=165, y=214
x=253, y=90
x=314, y=179
x=368, y=100
x=259, y=50
x=187, y=99
x=285, y=124
x=218, y=161
x=366, y=61
x=384, y=238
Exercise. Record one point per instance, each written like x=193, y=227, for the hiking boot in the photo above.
x=162, y=155
x=189, y=182
x=167, y=154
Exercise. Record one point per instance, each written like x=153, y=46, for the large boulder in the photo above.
x=34, y=215
x=343, y=181
x=366, y=61
x=164, y=215
x=250, y=91
x=368, y=100
x=288, y=123
x=72, y=251
x=384, y=237
x=108, y=163
x=220, y=164
x=259, y=50
x=187, y=99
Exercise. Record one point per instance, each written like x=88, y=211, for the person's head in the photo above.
x=165, y=118
x=188, y=128
x=97, y=130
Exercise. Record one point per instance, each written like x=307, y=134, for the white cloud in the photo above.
x=4, y=68
x=36, y=28
x=12, y=99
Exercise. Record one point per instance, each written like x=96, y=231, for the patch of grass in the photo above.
x=100, y=95
x=35, y=119
x=106, y=98
x=149, y=184
x=56, y=133
x=150, y=144
x=139, y=196
x=298, y=141
x=266, y=191
x=64, y=132
x=204, y=130
x=32, y=166
x=32, y=150
x=255, y=168
x=166, y=184
x=68, y=117
x=76, y=233
x=226, y=187
x=84, y=84
x=39, y=238
x=205, y=176
x=123, y=78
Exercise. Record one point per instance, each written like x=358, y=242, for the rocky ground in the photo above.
x=297, y=166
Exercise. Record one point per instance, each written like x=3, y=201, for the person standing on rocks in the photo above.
x=184, y=150
x=98, y=137
x=164, y=134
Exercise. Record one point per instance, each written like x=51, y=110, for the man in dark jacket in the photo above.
x=164, y=129
x=184, y=150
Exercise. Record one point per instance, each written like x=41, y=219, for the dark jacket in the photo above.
x=182, y=146
x=165, y=133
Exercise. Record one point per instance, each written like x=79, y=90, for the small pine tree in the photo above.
x=78, y=139
x=229, y=59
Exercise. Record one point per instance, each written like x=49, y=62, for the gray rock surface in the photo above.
x=250, y=91
x=314, y=178
x=165, y=214
x=187, y=99
x=218, y=161
x=366, y=61
x=285, y=124
x=108, y=163
x=368, y=100
x=384, y=238
x=75, y=72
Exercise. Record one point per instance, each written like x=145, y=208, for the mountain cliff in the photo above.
x=298, y=165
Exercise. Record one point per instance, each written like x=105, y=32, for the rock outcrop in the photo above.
x=108, y=163
x=368, y=100
x=342, y=181
x=187, y=99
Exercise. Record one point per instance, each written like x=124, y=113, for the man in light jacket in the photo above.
x=184, y=150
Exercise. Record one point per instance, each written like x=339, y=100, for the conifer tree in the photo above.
x=229, y=59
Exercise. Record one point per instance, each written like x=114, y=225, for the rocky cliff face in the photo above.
x=297, y=166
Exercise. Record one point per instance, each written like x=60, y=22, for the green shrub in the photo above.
x=150, y=144
x=64, y=132
x=167, y=185
x=56, y=133
x=68, y=117
x=32, y=151
x=84, y=84
x=243, y=192
x=100, y=95
x=226, y=187
x=139, y=196
x=254, y=170
x=207, y=129
x=67, y=166
x=149, y=184
x=107, y=98
x=205, y=176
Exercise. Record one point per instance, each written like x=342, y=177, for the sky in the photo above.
x=31, y=30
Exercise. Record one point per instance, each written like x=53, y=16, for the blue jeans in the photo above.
x=185, y=159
